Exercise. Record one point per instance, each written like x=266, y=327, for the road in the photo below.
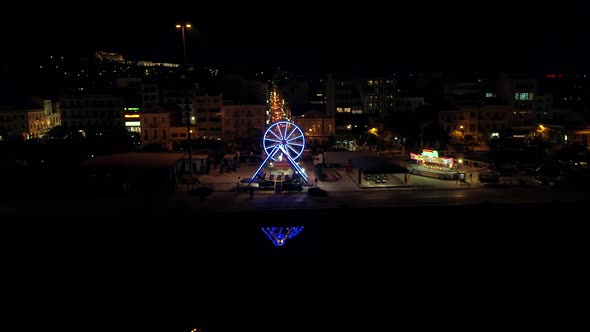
x=182, y=203
x=344, y=192
x=387, y=198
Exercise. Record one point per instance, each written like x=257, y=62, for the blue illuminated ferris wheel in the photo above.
x=283, y=141
x=283, y=138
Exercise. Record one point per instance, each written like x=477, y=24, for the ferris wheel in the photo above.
x=283, y=140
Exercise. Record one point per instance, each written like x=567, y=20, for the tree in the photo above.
x=456, y=138
x=372, y=139
x=63, y=133
x=57, y=132
x=388, y=138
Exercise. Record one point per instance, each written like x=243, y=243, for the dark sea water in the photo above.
x=474, y=267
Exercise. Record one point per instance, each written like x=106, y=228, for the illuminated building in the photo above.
x=344, y=104
x=343, y=96
x=157, y=64
x=524, y=91
x=207, y=116
x=380, y=96
x=85, y=111
x=242, y=121
x=155, y=129
x=316, y=126
x=580, y=136
x=29, y=123
x=109, y=56
x=476, y=120
x=484, y=105
x=132, y=119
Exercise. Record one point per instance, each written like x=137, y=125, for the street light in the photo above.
x=183, y=27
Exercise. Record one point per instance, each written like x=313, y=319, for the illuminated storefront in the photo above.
x=430, y=159
x=132, y=123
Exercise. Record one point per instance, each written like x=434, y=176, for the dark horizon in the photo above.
x=416, y=37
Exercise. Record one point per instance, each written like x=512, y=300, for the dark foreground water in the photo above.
x=473, y=267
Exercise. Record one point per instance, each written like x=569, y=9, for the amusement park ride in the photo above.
x=283, y=144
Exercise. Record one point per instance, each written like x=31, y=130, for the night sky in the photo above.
x=306, y=34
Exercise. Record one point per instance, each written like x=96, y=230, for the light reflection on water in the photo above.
x=280, y=235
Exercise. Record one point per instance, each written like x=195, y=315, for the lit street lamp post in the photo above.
x=189, y=132
x=182, y=28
